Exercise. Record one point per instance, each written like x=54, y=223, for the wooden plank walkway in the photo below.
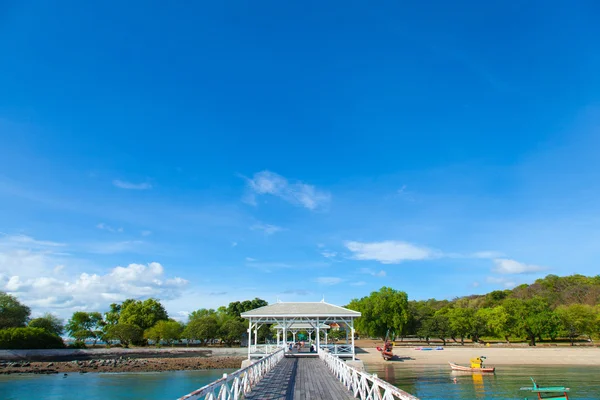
x=300, y=379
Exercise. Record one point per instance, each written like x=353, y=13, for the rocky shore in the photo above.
x=121, y=364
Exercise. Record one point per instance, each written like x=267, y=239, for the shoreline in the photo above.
x=550, y=356
x=122, y=365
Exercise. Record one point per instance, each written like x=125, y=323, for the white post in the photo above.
x=294, y=335
x=278, y=337
x=318, y=338
x=249, y=336
x=353, y=353
x=256, y=337
x=325, y=337
x=285, y=333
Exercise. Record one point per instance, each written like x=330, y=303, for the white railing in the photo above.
x=338, y=349
x=236, y=385
x=363, y=386
x=264, y=348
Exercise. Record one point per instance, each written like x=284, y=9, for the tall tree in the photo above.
x=85, y=325
x=49, y=323
x=167, y=331
x=576, y=320
x=13, y=314
x=144, y=314
x=202, y=328
x=383, y=312
x=125, y=333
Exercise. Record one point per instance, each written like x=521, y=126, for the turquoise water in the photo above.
x=430, y=382
x=426, y=382
x=130, y=386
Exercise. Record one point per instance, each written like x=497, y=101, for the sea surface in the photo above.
x=426, y=382
x=429, y=382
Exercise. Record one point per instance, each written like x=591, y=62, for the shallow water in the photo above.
x=426, y=382
x=429, y=382
x=117, y=386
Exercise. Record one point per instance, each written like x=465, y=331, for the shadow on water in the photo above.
x=429, y=382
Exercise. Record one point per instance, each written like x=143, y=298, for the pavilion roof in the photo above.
x=307, y=309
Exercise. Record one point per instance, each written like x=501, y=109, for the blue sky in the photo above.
x=216, y=152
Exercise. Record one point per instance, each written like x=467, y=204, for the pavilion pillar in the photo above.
x=278, y=337
x=353, y=353
x=249, y=337
x=256, y=337
x=294, y=335
x=285, y=333
x=325, y=337
x=318, y=338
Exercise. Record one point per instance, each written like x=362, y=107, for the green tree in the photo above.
x=29, y=338
x=144, y=314
x=49, y=323
x=13, y=314
x=232, y=331
x=203, y=328
x=85, y=325
x=460, y=321
x=167, y=331
x=236, y=308
x=125, y=333
x=533, y=317
x=383, y=312
x=576, y=320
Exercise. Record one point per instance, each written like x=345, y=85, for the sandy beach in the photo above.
x=495, y=356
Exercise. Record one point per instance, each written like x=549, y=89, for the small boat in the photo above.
x=386, y=351
x=476, y=366
x=548, y=392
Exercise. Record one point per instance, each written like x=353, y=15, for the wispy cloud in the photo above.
x=359, y=283
x=233, y=244
x=390, y=252
x=371, y=272
x=108, y=228
x=24, y=241
x=146, y=233
x=125, y=246
x=298, y=193
x=329, y=254
x=328, y=280
x=217, y=293
x=131, y=186
x=299, y=292
x=507, y=266
x=486, y=254
x=250, y=259
x=505, y=282
x=267, y=229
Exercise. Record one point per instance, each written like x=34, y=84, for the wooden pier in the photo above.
x=300, y=378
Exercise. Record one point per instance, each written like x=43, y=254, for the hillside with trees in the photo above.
x=550, y=309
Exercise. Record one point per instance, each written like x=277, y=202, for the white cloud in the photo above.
x=108, y=228
x=299, y=194
x=389, y=252
x=268, y=229
x=250, y=259
x=146, y=233
x=132, y=186
x=328, y=280
x=91, y=291
x=233, y=244
x=359, y=283
x=329, y=254
x=24, y=241
x=371, y=272
x=486, y=254
x=507, y=266
x=507, y=283
x=475, y=284
x=126, y=246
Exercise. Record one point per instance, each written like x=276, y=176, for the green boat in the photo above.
x=548, y=392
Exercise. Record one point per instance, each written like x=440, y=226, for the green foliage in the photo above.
x=577, y=320
x=166, y=331
x=125, y=333
x=49, y=323
x=13, y=314
x=203, y=328
x=383, y=312
x=29, y=338
x=231, y=330
x=144, y=314
x=236, y=308
x=85, y=325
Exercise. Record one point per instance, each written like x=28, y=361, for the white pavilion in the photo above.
x=312, y=317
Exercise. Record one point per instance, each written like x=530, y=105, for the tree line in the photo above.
x=551, y=308
x=132, y=322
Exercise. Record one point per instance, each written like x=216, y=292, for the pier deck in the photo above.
x=300, y=379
